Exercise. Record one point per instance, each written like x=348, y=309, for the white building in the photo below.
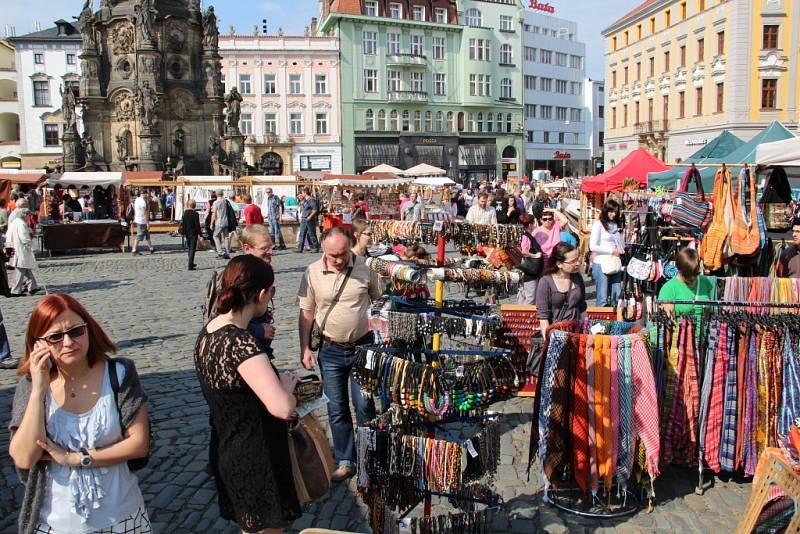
x=291, y=110
x=46, y=61
x=9, y=109
x=554, y=73
x=595, y=122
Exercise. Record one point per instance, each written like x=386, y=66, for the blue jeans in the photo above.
x=275, y=232
x=308, y=228
x=608, y=286
x=5, y=349
x=336, y=364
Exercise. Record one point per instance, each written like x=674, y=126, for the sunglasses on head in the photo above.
x=74, y=333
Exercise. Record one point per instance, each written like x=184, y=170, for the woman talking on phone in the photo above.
x=75, y=426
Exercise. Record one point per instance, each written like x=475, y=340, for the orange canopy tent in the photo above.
x=637, y=165
x=7, y=180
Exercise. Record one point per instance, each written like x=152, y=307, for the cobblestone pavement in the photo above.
x=150, y=305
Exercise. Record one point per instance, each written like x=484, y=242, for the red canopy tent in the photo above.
x=636, y=165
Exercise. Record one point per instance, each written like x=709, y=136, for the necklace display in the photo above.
x=458, y=233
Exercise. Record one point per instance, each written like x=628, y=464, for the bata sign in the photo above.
x=562, y=155
x=541, y=6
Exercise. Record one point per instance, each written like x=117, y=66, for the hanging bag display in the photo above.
x=745, y=236
x=642, y=264
x=688, y=210
x=776, y=202
x=713, y=244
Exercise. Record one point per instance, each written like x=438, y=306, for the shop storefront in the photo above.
x=560, y=163
x=312, y=161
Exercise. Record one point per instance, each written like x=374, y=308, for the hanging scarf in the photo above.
x=727, y=447
x=715, y=408
x=790, y=394
x=558, y=428
x=645, y=404
x=742, y=343
x=580, y=418
x=608, y=437
x=625, y=453
x=600, y=402
x=557, y=340
x=614, y=394
x=708, y=379
x=590, y=363
x=751, y=408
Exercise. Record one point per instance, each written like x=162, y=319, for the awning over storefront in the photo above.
x=88, y=179
x=786, y=153
x=637, y=165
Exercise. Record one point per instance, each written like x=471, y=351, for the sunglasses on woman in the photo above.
x=74, y=333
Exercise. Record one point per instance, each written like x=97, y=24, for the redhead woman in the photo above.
x=72, y=437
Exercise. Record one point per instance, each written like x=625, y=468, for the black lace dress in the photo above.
x=249, y=452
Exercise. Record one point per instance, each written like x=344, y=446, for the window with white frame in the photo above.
x=70, y=59
x=320, y=84
x=546, y=112
x=545, y=56
x=245, y=85
x=295, y=124
x=406, y=121
x=438, y=47
x=370, y=81
x=576, y=62
x=418, y=13
x=575, y=115
x=370, y=43
x=561, y=114
x=269, y=84
x=561, y=138
x=576, y=88
x=480, y=123
x=506, y=23
x=439, y=121
x=530, y=111
x=545, y=137
x=506, y=55
x=474, y=18
x=505, y=88
x=38, y=59
x=439, y=83
x=295, y=84
x=428, y=121
x=393, y=80
x=321, y=123
x=392, y=43
x=530, y=82
x=417, y=121
x=480, y=85
x=480, y=50
x=451, y=122
x=499, y=122
x=471, y=122
x=41, y=93
x=51, y=135
x=246, y=123
x=546, y=84
x=394, y=122
x=576, y=139
x=561, y=87
x=417, y=45
x=530, y=53
x=489, y=122
x=418, y=82
x=381, y=120
x=270, y=123
x=440, y=15
x=371, y=8
x=508, y=122
x=561, y=59
x=395, y=11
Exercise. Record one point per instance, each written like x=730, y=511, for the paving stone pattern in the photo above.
x=151, y=306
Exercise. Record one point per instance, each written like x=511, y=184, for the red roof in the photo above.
x=637, y=165
x=139, y=176
x=23, y=177
x=348, y=7
x=644, y=5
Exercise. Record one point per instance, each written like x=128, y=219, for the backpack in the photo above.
x=233, y=222
x=136, y=463
x=211, y=297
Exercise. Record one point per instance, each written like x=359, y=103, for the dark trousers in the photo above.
x=307, y=228
x=191, y=242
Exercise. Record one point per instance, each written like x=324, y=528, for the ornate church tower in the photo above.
x=151, y=85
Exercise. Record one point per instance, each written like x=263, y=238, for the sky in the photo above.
x=293, y=16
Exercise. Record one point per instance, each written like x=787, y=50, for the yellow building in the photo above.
x=679, y=72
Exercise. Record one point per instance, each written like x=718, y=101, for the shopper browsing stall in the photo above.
x=789, y=263
x=561, y=293
x=362, y=235
x=533, y=258
x=688, y=285
x=481, y=212
x=607, y=246
x=548, y=234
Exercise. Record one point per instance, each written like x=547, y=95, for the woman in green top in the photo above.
x=688, y=285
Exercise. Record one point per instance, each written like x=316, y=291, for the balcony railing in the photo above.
x=408, y=96
x=650, y=127
x=407, y=59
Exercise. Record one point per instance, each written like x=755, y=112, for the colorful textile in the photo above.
x=645, y=425
x=580, y=418
x=727, y=447
x=625, y=453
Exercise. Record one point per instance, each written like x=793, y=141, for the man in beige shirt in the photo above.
x=347, y=327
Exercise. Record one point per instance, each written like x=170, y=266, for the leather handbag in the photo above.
x=776, y=202
x=311, y=458
x=315, y=336
x=609, y=264
x=307, y=389
x=532, y=267
x=688, y=210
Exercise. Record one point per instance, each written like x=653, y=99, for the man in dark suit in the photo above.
x=190, y=228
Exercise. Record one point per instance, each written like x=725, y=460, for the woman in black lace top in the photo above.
x=250, y=404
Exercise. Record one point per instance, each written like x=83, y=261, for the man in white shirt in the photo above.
x=413, y=209
x=141, y=216
x=481, y=212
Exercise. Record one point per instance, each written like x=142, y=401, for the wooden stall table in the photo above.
x=83, y=236
x=773, y=471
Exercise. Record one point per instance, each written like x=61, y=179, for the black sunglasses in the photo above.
x=74, y=333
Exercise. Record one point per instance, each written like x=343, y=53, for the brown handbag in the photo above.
x=307, y=389
x=311, y=457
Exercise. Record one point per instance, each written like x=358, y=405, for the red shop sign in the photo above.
x=562, y=155
x=541, y=6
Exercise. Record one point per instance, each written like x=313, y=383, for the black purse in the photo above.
x=532, y=267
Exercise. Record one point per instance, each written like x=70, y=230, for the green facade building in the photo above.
x=430, y=81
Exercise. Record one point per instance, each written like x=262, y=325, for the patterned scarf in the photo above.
x=751, y=409
x=600, y=402
x=714, y=417
x=727, y=448
x=790, y=396
x=590, y=363
x=708, y=379
x=555, y=347
x=625, y=453
x=580, y=418
x=558, y=426
x=645, y=404
x=614, y=393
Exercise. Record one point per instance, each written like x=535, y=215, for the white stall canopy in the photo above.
x=786, y=153
x=89, y=179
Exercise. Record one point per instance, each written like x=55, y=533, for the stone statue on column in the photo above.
x=146, y=100
x=122, y=146
x=88, y=148
x=233, y=101
x=145, y=15
x=210, y=30
x=68, y=108
x=86, y=26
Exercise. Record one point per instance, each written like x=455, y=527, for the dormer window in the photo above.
x=418, y=13
x=396, y=11
x=441, y=15
x=371, y=8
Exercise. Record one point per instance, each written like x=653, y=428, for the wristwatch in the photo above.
x=86, y=460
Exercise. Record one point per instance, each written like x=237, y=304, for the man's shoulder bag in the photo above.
x=315, y=337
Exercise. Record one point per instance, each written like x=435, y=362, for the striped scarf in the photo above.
x=714, y=416
x=751, y=409
x=616, y=349
x=790, y=396
x=727, y=447
x=625, y=453
x=708, y=379
x=580, y=418
x=645, y=404
x=590, y=363
x=555, y=347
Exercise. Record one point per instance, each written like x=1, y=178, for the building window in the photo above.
x=561, y=114
x=652, y=25
x=561, y=136
x=417, y=82
x=506, y=55
x=451, y=122
x=601, y=138
x=546, y=84
x=381, y=120
x=545, y=137
x=720, y=97
x=683, y=55
x=613, y=78
x=270, y=123
x=489, y=122
x=396, y=11
x=428, y=121
x=701, y=5
x=246, y=123
x=474, y=18
x=269, y=84
x=439, y=84
x=613, y=118
x=699, y=101
x=438, y=47
x=418, y=13
x=576, y=62
x=295, y=81
x=295, y=124
x=417, y=121
x=245, y=85
x=41, y=93
x=547, y=112
x=529, y=82
x=392, y=43
x=665, y=108
x=530, y=53
x=505, y=88
x=38, y=59
x=439, y=121
x=576, y=88
x=393, y=80
x=638, y=71
x=561, y=87
x=70, y=59
x=770, y=37
x=625, y=71
x=769, y=90
x=682, y=104
x=51, y=137
x=701, y=49
x=371, y=8
x=417, y=45
x=320, y=84
x=546, y=57
x=440, y=15
x=625, y=116
x=667, y=18
x=406, y=121
x=720, y=43
x=575, y=115
x=683, y=10
x=370, y=81
x=561, y=59
x=601, y=112
x=652, y=67
x=666, y=61
x=480, y=85
x=636, y=114
x=321, y=123
x=370, y=43
x=638, y=32
x=614, y=43
x=506, y=23
x=394, y=125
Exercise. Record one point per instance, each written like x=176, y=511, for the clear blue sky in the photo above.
x=294, y=15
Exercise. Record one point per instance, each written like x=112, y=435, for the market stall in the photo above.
x=712, y=153
x=28, y=178
x=637, y=165
x=162, y=219
x=380, y=190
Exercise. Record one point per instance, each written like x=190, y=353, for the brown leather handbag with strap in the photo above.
x=713, y=244
x=745, y=234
